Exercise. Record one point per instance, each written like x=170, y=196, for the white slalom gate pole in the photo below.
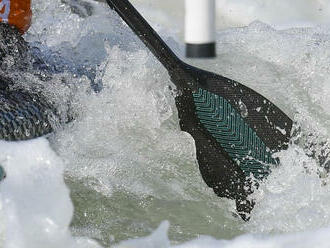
x=200, y=28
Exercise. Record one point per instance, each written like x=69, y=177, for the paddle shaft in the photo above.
x=146, y=33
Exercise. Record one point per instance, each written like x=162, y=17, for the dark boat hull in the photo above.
x=24, y=115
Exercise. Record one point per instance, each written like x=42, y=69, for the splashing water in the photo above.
x=126, y=162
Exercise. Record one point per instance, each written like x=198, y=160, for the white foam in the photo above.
x=160, y=239
x=280, y=14
x=35, y=206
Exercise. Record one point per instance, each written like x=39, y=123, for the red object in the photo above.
x=17, y=13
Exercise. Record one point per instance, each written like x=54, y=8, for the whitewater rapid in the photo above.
x=124, y=174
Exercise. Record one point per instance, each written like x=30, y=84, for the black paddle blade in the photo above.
x=235, y=129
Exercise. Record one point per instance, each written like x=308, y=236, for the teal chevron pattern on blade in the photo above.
x=234, y=135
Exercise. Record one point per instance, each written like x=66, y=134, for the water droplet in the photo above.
x=243, y=109
x=27, y=132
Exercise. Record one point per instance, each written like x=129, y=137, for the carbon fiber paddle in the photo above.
x=235, y=129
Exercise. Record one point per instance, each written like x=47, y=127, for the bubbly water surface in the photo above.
x=123, y=169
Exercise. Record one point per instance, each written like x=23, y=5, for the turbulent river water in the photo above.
x=124, y=174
